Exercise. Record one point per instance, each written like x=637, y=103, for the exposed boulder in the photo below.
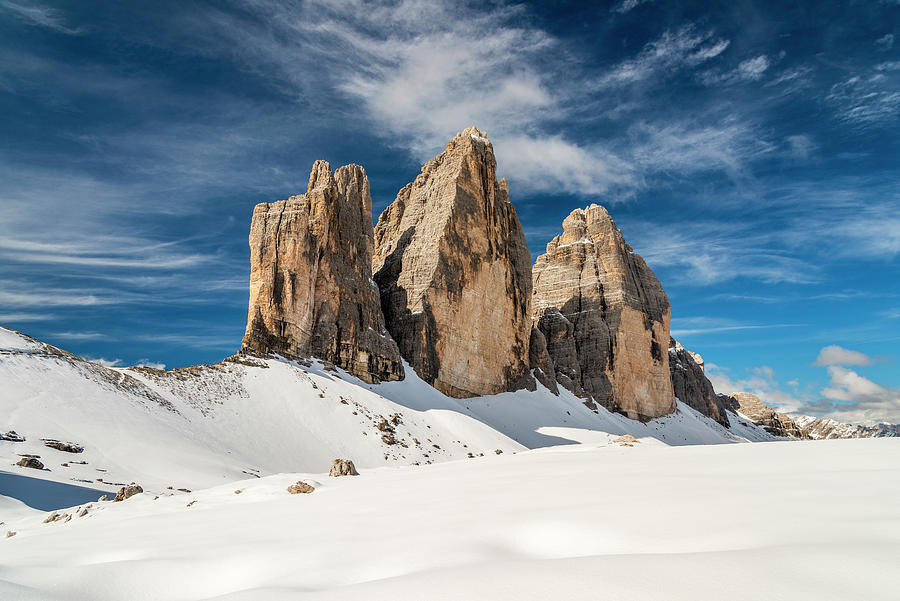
x=342, y=467
x=311, y=288
x=67, y=447
x=31, y=462
x=691, y=385
x=300, y=488
x=127, y=491
x=605, y=317
x=12, y=436
x=752, y=407
x=454, y=273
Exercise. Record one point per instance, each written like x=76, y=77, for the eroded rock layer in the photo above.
x=605, y=317
x=454, y=273
x=311, y=292
x=690, y=384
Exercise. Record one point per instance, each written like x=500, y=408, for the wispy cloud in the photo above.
x=79, y=335
x=867, y=100
x=707, y=326
x=41, y=16
x=672, y=51
x=8, y=318
x=628, y=5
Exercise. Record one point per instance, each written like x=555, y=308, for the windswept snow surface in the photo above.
x=784, y=520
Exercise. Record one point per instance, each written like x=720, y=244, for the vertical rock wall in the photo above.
x=311, y=292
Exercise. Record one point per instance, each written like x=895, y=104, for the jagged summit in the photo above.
x=605, y=317
x=454, y=272
x=311, y=292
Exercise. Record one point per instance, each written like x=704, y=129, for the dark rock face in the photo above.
x=761, y=414
x=127, y=491
x=31, y=462
x=454, y=273
x=605, y=318
x=311, y=289
x=12, y=436
x=691, y=385
x=539, y=359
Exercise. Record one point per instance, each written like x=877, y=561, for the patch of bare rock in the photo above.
x=300, y=487
x=67, y=447
x=127, y=492
x=30, y=462
x=342, y=467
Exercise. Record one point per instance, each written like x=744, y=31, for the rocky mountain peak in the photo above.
x=311, y=292
x=454, y=272
x=605, y=317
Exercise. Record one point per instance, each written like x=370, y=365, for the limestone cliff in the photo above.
x=690, y=384
x=605, y=317
x=311, y=292
x=454, y=273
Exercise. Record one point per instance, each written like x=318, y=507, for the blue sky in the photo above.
x=748, y=150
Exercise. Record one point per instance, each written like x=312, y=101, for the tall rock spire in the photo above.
x=455, y=273
x=311, y=292
x=605, y=317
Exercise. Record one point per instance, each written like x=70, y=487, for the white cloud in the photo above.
x=42, y=16
x=837, y=355
x=801, y=146
x=105, y=362
x=628, y=5
x=78, y=335
x=6, y=318
x=866, y=100
x=673, y=50
x=149, y=363
x=885, y=42
x=850, y=397
x=751, y=69
x=760, y=381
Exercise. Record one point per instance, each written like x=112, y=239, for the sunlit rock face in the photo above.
x=311, y=288
x=454, y=273
x=605, y=317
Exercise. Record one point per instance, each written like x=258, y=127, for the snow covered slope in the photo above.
x=785, y=520
x=209, y=424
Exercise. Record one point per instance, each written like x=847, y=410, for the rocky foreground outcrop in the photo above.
x=690, y=384
x=311, y=288
x=454, y=273
x=605, y=318
x=751, y=407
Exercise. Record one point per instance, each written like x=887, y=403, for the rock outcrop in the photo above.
x=690, y=384
x=31, y=462
x=752, y=407
x=454, y=273
x=311, y=292
x=342, y=467
x=126, y=492
x=605, y=317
